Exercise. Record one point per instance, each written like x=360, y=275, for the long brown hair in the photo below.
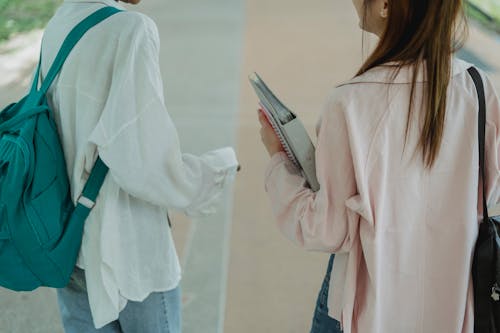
x=418, y=32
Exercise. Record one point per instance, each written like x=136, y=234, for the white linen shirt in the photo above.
x=108, y=100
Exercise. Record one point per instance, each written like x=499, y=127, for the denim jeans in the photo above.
x=160, y=312
x=322, y=323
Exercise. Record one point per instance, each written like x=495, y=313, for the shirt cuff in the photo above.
x=221, y=167
x=222, y=160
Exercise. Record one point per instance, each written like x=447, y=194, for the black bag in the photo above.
x=486, y=262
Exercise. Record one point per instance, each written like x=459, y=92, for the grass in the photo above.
x=24, y=15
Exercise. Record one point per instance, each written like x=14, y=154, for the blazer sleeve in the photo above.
x=492, y=145
x=318, y=221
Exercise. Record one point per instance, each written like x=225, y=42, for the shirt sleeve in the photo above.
x=318, y=221
x=138, y=141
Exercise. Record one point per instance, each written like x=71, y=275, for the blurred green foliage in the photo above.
x=24, y=15
x=486, y=12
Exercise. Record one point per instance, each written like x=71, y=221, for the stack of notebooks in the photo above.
x=290, y=130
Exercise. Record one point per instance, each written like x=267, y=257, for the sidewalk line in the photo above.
x=225, y=263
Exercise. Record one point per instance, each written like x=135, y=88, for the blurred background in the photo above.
x=240, y=274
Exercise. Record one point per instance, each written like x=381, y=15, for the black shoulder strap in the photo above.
x=478, y=81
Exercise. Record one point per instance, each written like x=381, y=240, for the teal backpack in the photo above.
x=40, y=227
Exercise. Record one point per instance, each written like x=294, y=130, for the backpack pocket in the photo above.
x=49, y=211
x=46, y=159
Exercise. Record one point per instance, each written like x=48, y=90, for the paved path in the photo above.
x=240, y=274
x=201, y=62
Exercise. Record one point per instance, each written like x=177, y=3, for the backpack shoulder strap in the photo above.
x=94, y=183
x=87, y=199
x=69, y=43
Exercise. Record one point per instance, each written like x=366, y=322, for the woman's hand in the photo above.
x=269, y=138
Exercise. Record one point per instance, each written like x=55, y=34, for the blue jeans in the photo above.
x=322, y=323
x=160, y=312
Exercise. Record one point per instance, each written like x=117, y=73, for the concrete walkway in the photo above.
x=240, y=274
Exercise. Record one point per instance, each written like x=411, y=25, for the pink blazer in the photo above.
x=404, y=235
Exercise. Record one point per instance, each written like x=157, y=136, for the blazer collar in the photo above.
x=385, y=73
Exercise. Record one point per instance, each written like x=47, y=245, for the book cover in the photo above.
x=290, y=131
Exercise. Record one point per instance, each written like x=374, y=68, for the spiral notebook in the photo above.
x=290, y=130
